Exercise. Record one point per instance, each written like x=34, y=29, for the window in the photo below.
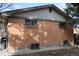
x=30, y=23
x=35, y=46
x=66, y=43
x=50, y=9
x=62, y=25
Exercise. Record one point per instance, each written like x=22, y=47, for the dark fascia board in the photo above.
x=40, y=7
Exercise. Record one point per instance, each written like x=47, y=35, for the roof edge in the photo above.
x=40, y=7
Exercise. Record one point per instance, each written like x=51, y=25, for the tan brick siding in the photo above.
x=46, y=33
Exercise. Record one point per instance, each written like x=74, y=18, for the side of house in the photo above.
x=39, y=27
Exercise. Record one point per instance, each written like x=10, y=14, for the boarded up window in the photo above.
x=62, y=25
x=30, y=23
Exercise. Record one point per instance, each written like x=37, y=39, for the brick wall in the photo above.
x=46, y=33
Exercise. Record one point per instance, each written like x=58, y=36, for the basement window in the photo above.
x=62, y=25
x=66, y=43
x=35, y=46
x=30, y=23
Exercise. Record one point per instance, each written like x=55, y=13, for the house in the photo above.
x=36, y=27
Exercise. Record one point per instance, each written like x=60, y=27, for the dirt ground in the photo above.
x=60, y=52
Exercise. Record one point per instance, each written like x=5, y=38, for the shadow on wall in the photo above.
x=69, y=34
x=21, y=36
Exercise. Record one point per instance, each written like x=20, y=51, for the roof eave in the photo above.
x=39, y=7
